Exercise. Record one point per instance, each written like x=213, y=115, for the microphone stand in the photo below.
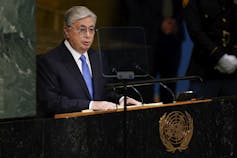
x=152, y=81
x=124, y=77
x=125, y=121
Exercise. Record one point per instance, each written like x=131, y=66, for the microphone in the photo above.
x=161, y=83
x=139, y=94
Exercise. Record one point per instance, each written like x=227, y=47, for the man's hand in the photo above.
x=129, y=101
x=103, y=105
x=227, y=64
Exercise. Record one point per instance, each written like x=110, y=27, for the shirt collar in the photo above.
x=76, y=55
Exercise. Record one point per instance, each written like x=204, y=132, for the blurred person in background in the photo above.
x=212, y=26
x=163, y=24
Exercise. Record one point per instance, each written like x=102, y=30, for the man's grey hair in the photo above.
x=76, y=13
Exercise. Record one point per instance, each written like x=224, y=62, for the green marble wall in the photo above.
x=17, y=58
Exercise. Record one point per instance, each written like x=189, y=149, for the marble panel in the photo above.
x=17, y=58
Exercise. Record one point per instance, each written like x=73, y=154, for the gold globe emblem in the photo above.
x=176, y=130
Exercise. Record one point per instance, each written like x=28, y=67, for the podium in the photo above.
x=199, y=128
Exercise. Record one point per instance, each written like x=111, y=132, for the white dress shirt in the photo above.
x=76, y=55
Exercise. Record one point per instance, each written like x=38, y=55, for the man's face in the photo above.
x=81, y=34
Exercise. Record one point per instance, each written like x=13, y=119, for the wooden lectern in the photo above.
x=189, y=129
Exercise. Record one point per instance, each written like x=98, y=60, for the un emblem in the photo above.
x=176, y=130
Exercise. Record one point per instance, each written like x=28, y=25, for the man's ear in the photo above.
x=65, y=29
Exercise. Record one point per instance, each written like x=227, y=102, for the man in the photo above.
x=212, y=26
x=162, y=22
x=69, y=76
x=168, y=46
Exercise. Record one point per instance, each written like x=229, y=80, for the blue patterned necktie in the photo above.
x=87, y=75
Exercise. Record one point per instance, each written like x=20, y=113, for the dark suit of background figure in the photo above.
x=61, y=84
x=163, y=49
x=212, y=26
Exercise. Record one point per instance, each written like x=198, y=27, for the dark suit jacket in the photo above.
x=212, y=26
x=60, y=85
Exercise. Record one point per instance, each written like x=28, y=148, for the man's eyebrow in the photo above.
x=86, y=26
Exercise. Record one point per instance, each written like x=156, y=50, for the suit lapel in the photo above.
x=95, y=67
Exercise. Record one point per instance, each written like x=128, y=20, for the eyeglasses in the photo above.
x=84, y=30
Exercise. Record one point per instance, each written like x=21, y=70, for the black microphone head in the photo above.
x=114, y=70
